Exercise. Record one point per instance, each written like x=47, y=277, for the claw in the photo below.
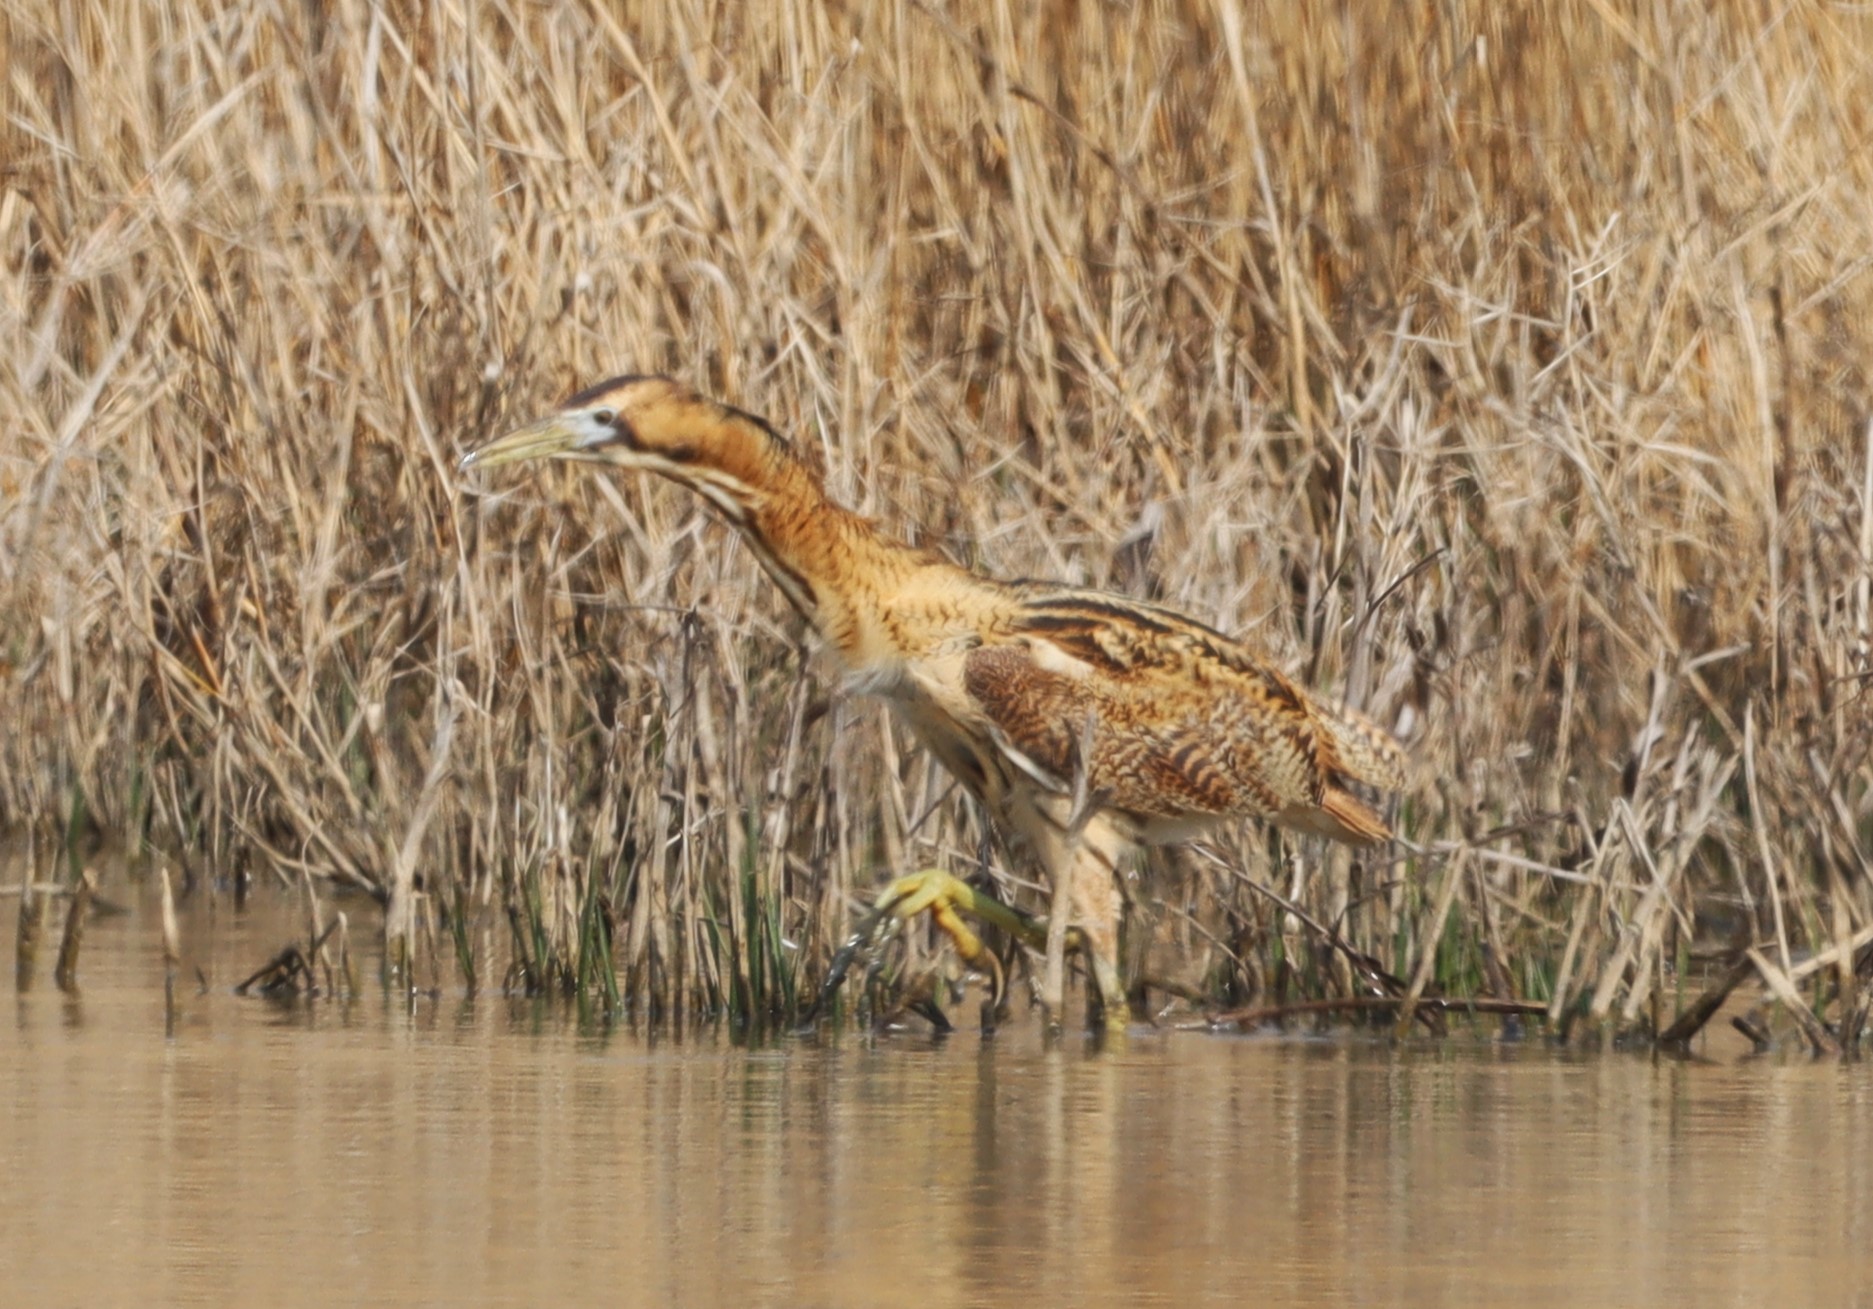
x=946, y=898
x=932, y=1013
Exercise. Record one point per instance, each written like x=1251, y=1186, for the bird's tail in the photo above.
x=1340, y=816
x=1362, y=750
x=1358, y=750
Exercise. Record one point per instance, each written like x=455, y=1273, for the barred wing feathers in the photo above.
x=1170, y=720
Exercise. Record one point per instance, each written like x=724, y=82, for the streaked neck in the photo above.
x=830, y=563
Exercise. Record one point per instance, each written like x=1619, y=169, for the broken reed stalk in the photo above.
x=66, y=971
x=315, y=924
x=345, y=968
x=1848, y=949
x=1819, y=1038
x=1689, y=1023
x=172, y=952
x=1759, y=821
x=1846, y=979
x=1759, y=1037
x=400, y=937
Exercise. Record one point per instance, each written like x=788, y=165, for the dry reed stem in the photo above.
x=1783, y=989
x=172, y=952
x=65, y=972
x=1432, y=935
x=1502, y=368
x=1690, y=1022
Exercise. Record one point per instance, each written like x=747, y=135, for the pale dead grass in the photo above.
x=1509, y=373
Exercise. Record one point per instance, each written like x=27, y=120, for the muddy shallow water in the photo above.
x=492, y=1152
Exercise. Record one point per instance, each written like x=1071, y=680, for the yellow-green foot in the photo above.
x=947, y=898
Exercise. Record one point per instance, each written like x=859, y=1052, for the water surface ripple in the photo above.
x=492, y=1152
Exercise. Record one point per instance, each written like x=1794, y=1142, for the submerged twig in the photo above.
x=1368, y=1004
x=1689, y=1023
x=286, y=967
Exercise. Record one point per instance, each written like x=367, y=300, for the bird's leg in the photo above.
x=1054, y=954
x=1065, y=857
x=1082, y=850
x=1098, y=906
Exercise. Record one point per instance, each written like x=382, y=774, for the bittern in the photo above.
x=1086, y=724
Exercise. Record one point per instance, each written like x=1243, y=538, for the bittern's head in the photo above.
x=660, y=426
x=652, y=423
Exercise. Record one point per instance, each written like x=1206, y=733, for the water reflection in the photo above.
x=493, y=1152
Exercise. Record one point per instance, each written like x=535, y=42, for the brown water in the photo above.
x=492, y=1153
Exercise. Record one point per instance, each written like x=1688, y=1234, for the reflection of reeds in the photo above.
x=1509, y=373
x=34, y=904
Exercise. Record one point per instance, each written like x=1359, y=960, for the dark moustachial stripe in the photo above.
x=619, y=424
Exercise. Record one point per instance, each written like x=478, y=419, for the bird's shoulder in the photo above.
x=1124, y=642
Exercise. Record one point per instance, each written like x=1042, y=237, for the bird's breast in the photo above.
x=928, y=697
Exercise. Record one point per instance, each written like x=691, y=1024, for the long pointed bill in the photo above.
x=546, y=439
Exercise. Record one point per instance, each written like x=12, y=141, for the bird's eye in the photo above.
x=603, y=417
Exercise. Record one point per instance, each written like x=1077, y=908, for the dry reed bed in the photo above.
x=1508, y=372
